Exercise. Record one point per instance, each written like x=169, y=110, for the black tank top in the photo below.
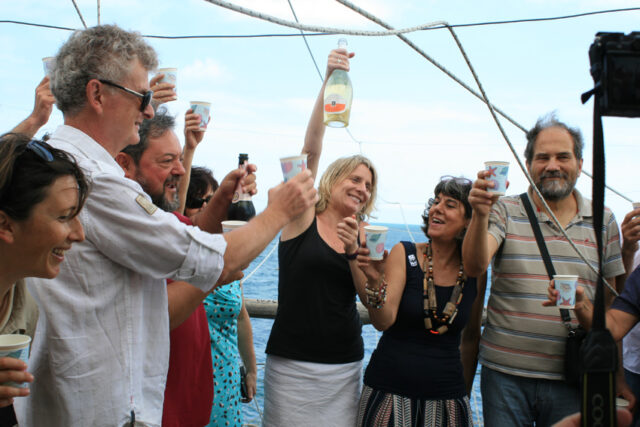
x=409, y=360
x=317, y=320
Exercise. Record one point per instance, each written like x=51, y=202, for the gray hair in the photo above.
x=549, y=121
x=104, y=52
x=161, y=122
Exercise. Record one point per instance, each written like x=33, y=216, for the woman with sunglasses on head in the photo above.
x=420, y=296
x=315, y=349
x=229, y=326
x=41, y=193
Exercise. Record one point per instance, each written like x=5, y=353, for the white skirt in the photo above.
x=310, y=394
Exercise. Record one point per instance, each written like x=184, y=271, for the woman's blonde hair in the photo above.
x=339, y=170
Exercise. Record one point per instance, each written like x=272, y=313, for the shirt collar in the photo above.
x=584, y=207
x=88, y=147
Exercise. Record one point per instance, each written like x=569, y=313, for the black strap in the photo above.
x=564, y=313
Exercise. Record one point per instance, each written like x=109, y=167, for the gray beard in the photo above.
x=555, y=190
x=165, y=204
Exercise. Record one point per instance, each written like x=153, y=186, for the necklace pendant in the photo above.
x=449, y=309
x=455, y=313
x=427, y=323
x=442, y=329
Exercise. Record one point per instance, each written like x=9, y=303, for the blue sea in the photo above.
x=261, y=282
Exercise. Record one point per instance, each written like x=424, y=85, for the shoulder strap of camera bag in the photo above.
x=564, y=313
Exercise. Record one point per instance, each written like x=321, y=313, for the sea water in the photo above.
x=261, y=282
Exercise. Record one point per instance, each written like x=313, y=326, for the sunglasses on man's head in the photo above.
x=197, y=202
x=146, y=97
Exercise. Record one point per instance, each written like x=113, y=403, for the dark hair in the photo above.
x=27, y=169
x=456, y=187
x=550, y=121
x=161, y=122
x=201, y=179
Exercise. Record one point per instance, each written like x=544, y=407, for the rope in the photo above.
x=79, y=14
x=261, y=262
x=492, y=110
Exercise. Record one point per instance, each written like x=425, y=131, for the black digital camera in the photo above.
x=615, y=68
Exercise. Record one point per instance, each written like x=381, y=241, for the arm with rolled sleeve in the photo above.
x=150, y=242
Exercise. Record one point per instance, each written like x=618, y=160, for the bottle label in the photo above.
x=335, y=104
x=239, y=195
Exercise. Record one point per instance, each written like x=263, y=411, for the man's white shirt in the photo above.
x=101, y=348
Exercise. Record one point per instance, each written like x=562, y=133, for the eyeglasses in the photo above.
x=146, y=97
x=197, y=202
x=40, y=150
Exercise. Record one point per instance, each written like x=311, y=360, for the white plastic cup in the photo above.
x=292, y=166
x=47, y=64
x=376, y=236
x=202, y=108
x=170, y=76
x=16, y=346
x=499, y=172
x=231, y=225
x=566, y=284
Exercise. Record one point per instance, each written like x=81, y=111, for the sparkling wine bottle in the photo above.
x=241, y=208
x=338, y=94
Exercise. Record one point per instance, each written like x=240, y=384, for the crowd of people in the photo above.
x=114, y=262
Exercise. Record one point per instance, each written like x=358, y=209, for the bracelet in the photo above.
x=352, y=256
x=377, y=297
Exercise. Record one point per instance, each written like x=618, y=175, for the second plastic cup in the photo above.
x=292, y=166
x=566, y=284
x=17, y=347
x=376, y=237
x=202, y=108
x=498, y=174
x=231, y=225
x=47, y=64
x=170, y=76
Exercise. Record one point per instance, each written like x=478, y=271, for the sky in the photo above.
x=413, y=121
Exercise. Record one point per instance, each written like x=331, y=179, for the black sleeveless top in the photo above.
x=409, y=360
x=317, y=320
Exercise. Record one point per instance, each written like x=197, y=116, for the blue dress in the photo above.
x=223, y=307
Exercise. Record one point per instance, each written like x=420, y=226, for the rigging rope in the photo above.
x=79, y=14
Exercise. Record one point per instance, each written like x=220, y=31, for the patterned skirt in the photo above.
x=380, y=409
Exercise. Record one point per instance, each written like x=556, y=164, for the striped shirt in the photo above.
x=521, y=336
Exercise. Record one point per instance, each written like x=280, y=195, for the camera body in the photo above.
x=615, y=68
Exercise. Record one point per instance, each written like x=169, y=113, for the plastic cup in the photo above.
x=376, y=237
x=566, y=286
x=202, y=108
x=635, y=205
x=16, y=346
x=47, y=64
x=170, y=76
x=231, y=225
x=499, y=172
x=292, y=166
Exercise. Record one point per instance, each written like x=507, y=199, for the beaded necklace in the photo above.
x=432, y=322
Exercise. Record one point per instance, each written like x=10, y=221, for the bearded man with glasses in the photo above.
x=101, y=353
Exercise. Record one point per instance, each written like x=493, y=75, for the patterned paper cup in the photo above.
x=202, y=108
x=170, y=76
x=47, y=64
x=292, y=166
x=499, y=171
x=566, y=286
x=16, y=346
x=231, y=225
x=376, y=236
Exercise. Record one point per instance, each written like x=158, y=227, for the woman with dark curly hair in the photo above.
x=420, y=296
